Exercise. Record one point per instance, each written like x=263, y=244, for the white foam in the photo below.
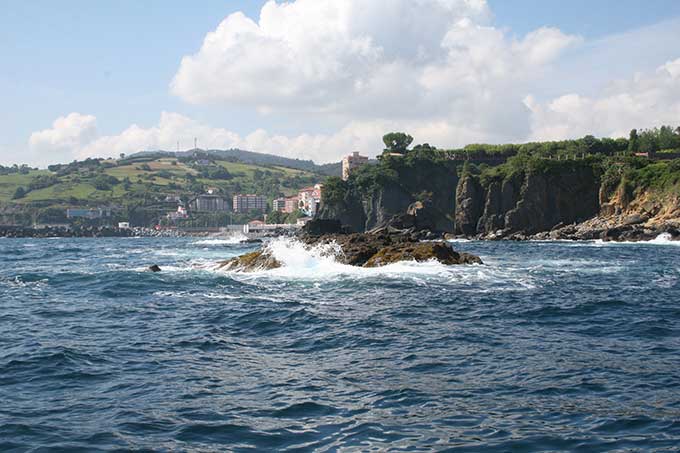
x=231, y=240
x=664, y=239
x=320, y=264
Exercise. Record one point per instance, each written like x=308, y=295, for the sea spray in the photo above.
x=319, y=263
x=231, y=240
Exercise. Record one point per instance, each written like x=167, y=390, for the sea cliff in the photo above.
x=528, y=197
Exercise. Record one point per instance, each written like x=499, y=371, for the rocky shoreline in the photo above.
x=85, y=232
x=630, y=228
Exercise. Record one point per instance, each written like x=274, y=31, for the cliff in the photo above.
x=594, y=197
x=527, y=198
x=609, y=199
x=415, y=191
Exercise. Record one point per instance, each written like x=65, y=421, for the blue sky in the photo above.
x=115, y=61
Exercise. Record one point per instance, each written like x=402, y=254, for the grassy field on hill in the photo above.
x=106, y=182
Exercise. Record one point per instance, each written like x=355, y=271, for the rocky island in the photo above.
x=371, y=249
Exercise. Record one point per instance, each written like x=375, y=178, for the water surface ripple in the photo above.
x=548, y=347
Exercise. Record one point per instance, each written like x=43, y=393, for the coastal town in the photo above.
x=212, y=211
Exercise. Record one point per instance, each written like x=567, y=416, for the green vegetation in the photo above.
x=416, y=170
x=397, y=142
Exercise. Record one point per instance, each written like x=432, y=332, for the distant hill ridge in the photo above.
x=251, y=157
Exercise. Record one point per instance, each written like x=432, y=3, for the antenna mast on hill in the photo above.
x=195, y=143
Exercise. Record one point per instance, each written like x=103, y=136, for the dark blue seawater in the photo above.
x=548, y=347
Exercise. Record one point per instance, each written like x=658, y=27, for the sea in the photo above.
x=547, y=347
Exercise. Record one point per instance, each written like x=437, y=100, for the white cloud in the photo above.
x=364, y=136
x=438, y=69
x=646, y=100
x=377, y=60
x=67, y=133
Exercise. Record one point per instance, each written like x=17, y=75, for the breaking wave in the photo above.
x=320, y=264
x=231, y=240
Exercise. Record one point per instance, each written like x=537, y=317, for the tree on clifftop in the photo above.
x=397, y=142
x=633, y=142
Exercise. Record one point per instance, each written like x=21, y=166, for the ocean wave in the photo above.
x=320, y=264
x=232, y=240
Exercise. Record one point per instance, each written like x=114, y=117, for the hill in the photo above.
x=147, y=183
x=249, y=157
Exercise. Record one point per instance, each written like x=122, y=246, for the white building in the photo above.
x=309, y=199
x=351, y=162
x=247, y=203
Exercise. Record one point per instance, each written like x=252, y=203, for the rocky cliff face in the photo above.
x=527, y=202
x=421, y=196
x=521, y=199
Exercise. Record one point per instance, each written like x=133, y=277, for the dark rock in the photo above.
x=469, y=205
x=318, y=227
x=154, y=268
x=250, y=262
x=420, y=252
x=527, y=203
x=633, y=219
x=251, y=241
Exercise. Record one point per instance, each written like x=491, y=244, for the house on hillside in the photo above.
x=351, y=162
x=285, y=205
x=90, y=214
x=209, y=203
x=246, y=203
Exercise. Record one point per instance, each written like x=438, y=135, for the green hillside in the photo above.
x=97, y=181
x=137, y=187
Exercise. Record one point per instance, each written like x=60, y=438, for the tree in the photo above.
x=590, y=144
x=649, y=141
x=668, y=139
x=19, y=193
x=397, y=142
x=634, y=142
x=122, y=156
x=104, y=182
x=277, y=217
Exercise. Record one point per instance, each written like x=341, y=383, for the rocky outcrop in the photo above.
x=362, y=249
x=469, y=205
x=421, y=252
x=250, y=262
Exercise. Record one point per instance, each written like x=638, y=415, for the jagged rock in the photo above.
x=154, y=268
x=633, y=219
x=250, y=262
x=420, y=252
x=318, y=227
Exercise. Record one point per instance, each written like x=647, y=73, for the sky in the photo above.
x=317, y=79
